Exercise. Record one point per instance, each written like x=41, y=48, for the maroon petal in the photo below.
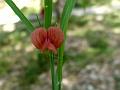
x=38, y=38
x=56, y=36
x=51, y=47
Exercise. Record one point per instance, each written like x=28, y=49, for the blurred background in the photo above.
x=92, y=50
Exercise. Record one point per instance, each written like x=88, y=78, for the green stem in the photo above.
x=52, y=70
x=20, y=14
x=47, y=24
x=60, y=64
x=59, y=69
x=69, y=4
x=48, y=13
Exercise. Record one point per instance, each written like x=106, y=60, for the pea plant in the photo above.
x=49, y=38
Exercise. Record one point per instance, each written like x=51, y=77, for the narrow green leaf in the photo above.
x=20, y=15
x=48, y=13
x=66, y=14
x=52, y=70
x=69, y=4
x=47, y=24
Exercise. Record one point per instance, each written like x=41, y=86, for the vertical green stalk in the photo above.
x=47, y=24
x=59, y=68
x=48, y=13
x=52, y=70
x=20, y=15
x=69, y=4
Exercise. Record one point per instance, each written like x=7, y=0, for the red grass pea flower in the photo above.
x=50, y=39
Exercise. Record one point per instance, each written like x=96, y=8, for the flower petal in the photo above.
x=51, y=47
x=56, y=36
x=34, y=41
x=38, y=38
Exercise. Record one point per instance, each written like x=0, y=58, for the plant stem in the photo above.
x=69, y=4
x=52, y=70
x=20, y=15
x=66, y=15
x=47, y=24
x=59, y=69
x=48, y=13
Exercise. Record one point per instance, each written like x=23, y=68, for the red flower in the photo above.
x=50, y=39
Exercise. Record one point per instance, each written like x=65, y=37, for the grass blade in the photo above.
x=66, y=14
x=69, y=4
x=20, y=15
x=52, y=70
x=47, y=24
x=48, y=13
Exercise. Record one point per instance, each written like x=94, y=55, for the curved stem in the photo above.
x=69, y=4
x=20, y=15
